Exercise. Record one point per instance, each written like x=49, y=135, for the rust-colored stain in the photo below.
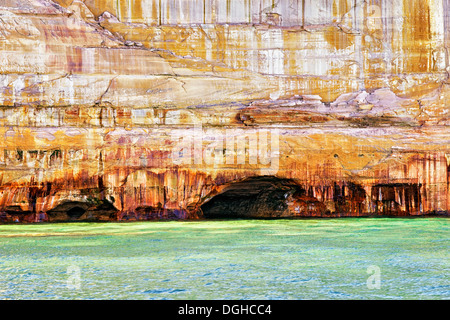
x=350, y=99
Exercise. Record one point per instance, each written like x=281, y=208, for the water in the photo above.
x=238, y=259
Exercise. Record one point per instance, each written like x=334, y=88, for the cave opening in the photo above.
x=75, y=212
x=254, y=197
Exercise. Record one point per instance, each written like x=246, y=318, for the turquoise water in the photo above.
x=238, y=259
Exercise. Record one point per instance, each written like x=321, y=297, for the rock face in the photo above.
x=272, y=197
x=255, y=197
x=155, y=105
x=79, y=211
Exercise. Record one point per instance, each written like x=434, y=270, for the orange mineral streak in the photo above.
x=96, y=95
x=338, y=39
x=418, y=37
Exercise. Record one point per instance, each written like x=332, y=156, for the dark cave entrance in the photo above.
x=254, y=197
x=75, y=212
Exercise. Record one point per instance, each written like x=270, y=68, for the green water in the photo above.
x=239, y=259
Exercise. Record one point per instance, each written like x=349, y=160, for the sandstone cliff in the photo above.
x=99, y=98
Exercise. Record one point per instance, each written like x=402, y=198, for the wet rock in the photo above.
x=150, y=212
x=68, y=211
x=105, y=211
x=82, y=211
x=14, y=209
x=15, y=213
x=157, y=213
x=254, y=197
x=397, y=199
